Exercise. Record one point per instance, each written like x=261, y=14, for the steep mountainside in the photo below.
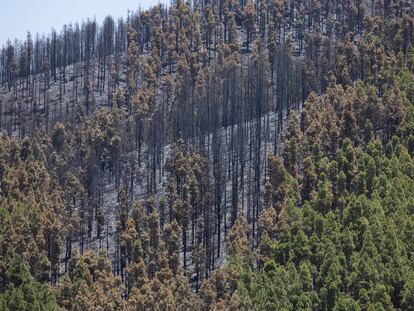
x=225, y=155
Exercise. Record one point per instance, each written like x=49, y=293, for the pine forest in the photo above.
x=222, y=155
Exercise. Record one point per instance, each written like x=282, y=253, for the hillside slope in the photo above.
x=211, y=156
